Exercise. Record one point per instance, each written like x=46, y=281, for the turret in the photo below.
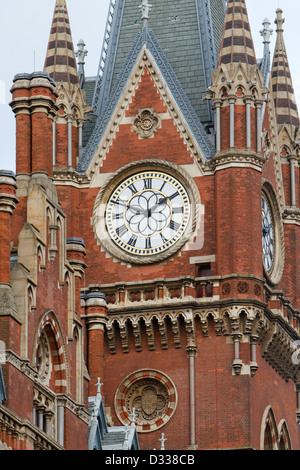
x=238, y=94
x=286, y=114
x=33, y=103
x=61, y=65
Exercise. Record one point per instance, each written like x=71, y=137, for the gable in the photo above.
x=146, y=52
x=146, y=130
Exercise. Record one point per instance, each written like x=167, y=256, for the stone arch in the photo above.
x=284, y=441
x=269, y=432
x=49, y=329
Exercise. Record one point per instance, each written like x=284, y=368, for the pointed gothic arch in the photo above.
x=269, y=432
x=49, y=354
x=284, y=441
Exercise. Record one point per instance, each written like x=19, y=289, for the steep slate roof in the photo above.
x=189, y=33
x=283, y=91
x=60, y=60
x=237, y=43
x=146, y=37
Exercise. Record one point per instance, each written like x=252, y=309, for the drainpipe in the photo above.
x=192, y=352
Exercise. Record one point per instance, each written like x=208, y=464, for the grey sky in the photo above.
x=24, y=33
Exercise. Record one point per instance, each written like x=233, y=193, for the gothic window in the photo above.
x=284, y=438
x=269, y=431
x=268, y=443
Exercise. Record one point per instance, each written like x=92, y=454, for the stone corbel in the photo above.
x=236, y=336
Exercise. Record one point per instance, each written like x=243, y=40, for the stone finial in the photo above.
x=81, y=53
x=266, y=32
x=145, y=8
x=162, y=440
x=133, y=417
x=279, y=20
x=99, y=384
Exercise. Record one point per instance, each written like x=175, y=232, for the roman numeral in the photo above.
x=132, y=188
x=148, y=183
x=133, y=240
x=121, y=230
x=178, y=210
x=117, y=216
x=174, y=225
x=148, y=244
x=163, y=239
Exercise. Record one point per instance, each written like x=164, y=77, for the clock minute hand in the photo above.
x=136, y=209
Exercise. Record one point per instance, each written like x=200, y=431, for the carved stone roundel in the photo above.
x=146, y=123
x=153, y=397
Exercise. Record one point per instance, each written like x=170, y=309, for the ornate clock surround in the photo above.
x=274, y=275
x=130, y=170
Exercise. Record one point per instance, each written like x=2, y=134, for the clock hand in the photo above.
x=161, y=201
x=266, y=230
x=138, y=210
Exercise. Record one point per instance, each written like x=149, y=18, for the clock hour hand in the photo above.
x=161, y=201
x=267, y=229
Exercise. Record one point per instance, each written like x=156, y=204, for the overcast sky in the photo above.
x=24, y=33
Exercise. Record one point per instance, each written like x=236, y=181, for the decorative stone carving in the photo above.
x=153, y=396
x=242, y=287
x=43, y=358
x=226, y=289
x=146, y=123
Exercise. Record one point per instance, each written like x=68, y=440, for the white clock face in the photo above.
x=147, y=213
x=268, y=235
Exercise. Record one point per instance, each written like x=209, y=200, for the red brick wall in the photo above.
x=229, y=409
x=238, y=221
x=23, y=144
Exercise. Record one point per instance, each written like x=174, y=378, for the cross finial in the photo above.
x=266, y=32
x=162, y=440
x=99, y=384
x=145, y=8
x=133, y=416
x=81, y=53
x=279, y=20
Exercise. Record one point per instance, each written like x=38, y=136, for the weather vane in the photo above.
x=145, y=8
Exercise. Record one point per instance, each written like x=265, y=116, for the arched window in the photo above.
x=274, y=437
x=269, y=432
x=284, y=437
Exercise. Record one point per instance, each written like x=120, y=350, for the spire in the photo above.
x=237, y=43
x=283, y=91
x=60, y=59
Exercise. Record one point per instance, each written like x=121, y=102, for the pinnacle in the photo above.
x=60, y=60
x=282, y=86
x=237, y=43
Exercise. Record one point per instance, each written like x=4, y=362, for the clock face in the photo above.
x=268, y=235
x=147, y=213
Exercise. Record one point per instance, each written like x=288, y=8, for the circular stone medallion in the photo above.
x=151, y=394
